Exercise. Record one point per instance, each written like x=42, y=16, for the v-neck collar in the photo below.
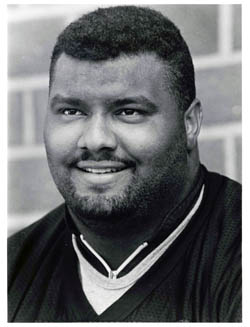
x=78, y=307
x=141, y=267
x=172, y=219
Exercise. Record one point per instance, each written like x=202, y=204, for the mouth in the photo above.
x=101, y=171
x=102, y=176
x=102, y=167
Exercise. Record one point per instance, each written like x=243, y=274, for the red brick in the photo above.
x=40, y=99
x=238, y=158
x=197, y=23
x=219, y=90
x=31, y=44
x=15, y=113
x=30, y=187
x=237, y=30
x=212, y=155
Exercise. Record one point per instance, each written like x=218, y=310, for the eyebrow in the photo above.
x=114, y=103
x=61, y=99
x=134, y=100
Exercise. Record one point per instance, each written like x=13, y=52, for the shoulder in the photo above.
x=222, y=206
x=223, y=244
x=40, y=228
x=225, y=192
x=216, y=178
x=32, y=240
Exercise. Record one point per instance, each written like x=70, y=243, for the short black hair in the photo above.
x=107, y=33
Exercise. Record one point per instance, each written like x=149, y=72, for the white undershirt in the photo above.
x=102, y=291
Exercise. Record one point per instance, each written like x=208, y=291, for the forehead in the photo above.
x=125, y=74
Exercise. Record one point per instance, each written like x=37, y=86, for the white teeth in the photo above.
x=101, y=170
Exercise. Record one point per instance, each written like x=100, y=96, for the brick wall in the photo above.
x=213, y=33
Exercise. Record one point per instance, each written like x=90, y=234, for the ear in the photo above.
x=192, y=119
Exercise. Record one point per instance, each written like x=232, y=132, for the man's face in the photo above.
x=114, y=136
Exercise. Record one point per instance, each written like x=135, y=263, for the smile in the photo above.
x=101, y=167
x=102, y=170
x=101, y=176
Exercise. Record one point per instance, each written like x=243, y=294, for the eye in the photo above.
x=131, y=115
x=71, y=112
x=129, y=112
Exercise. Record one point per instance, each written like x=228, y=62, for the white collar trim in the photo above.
x=112, y=282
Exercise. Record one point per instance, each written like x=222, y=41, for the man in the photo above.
x=146, y=232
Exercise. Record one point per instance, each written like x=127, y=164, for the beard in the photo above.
x=155, y=193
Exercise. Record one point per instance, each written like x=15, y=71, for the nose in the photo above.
x=97, y=134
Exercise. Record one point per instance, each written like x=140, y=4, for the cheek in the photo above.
x=145, y=143
x=59, y=141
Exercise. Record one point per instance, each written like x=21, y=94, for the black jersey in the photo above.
x=197, y=279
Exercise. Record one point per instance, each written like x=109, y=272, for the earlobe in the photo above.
x=192, y=120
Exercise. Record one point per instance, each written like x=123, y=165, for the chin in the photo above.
x=98, y=207
x=102, y=214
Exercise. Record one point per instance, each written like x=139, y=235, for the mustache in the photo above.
x=102, y=156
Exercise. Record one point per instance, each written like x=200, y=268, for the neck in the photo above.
x=117, y=245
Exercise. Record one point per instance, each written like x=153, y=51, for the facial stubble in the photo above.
x=143, y=197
